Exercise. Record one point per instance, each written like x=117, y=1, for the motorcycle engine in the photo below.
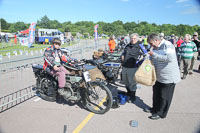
x=109, y=74
x=68, y=91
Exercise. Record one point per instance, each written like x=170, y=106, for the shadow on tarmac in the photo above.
x=115, y=91
x=61, y=100
x=139, y=103
x=198, y=130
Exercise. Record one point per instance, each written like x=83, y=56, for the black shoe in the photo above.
x=148, y=110
x=184, y=77
x=190, y=73
x=154, y=117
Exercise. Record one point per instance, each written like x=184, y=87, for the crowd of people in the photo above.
x=173, y=59
x=187, y=49
x=4, y=38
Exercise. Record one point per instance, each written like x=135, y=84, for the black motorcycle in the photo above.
x=94, y=95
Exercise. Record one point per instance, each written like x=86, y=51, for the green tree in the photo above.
x=44, y=22
x=4, y=24
x=55, y=24
x=114, y=28
x=130, y=27
x=18, y=26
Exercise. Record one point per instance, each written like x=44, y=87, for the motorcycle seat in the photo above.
x=37, y=67
x=71, y=68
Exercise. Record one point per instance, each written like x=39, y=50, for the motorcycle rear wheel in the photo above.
x=43, y=90
x=98, y=98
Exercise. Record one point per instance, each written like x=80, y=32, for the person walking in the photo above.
x=6, y=38
x=186, y=51
x=179, y=42
x=111, y=44
x=167, y=73
x=15, y=36
x=196, y=41
x=196, y=54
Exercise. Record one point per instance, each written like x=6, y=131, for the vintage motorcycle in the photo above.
x=94, y=95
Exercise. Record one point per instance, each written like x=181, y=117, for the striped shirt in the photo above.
x=165, y=62
x=187, y=50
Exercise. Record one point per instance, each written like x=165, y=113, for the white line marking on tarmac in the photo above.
x=36, y=100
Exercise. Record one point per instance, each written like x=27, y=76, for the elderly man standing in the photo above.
x=186, y=51
x=130, y=56
x=167, y=73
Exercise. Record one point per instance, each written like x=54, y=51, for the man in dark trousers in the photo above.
x=167, y=73
x=130, y=56
x=196, y=54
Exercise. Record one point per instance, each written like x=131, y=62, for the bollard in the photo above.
x=65, y=129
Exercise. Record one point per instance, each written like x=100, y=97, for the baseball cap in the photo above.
x=195, y=34
x=162, y=35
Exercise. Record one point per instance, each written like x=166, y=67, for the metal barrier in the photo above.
x=24, y=62
x=16, y=98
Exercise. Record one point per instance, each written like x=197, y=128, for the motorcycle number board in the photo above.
x=87, y=76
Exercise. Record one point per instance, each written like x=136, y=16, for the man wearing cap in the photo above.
x=162, y=35
x=172, y=40
x=54, y=58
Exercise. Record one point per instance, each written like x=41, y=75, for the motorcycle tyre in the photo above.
x=109, y=103
x=44, y=96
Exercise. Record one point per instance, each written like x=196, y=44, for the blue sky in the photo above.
x=153, y=11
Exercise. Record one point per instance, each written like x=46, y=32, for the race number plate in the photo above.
x=87, y=76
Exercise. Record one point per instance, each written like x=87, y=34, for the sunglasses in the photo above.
x=57, y=43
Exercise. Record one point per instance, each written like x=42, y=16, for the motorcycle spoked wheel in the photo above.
x=98, y=98
x=43, y=90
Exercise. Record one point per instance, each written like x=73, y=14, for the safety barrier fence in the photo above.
x=13, y=99
x=17, y=74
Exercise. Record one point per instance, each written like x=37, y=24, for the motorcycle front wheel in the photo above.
x=98, y=98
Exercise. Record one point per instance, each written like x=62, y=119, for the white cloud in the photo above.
x=124, y=0
x=193, y=10
x=180, y=1
x=187, y=5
